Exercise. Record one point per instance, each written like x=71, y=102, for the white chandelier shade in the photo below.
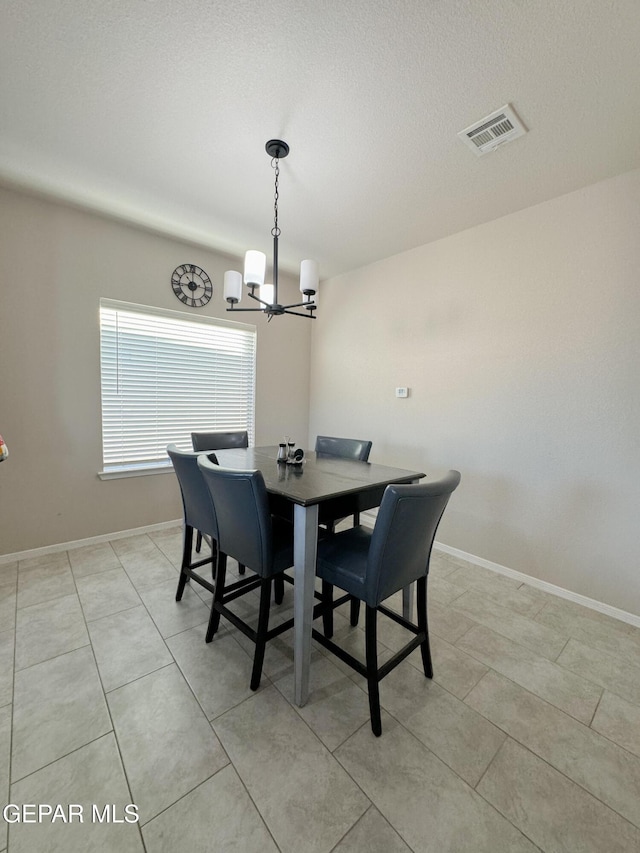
x=255, y=265
x=309, y=277
x=232, y=286
x=267, y=292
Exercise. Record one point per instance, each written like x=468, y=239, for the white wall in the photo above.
x=55, y=264
x=520, y=341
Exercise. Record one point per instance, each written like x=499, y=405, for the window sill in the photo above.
x=120, y=473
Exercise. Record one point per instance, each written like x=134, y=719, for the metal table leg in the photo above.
x=305, y=545
x=408, y=594
x=407, y=601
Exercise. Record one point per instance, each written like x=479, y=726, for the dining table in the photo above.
x=321, y=488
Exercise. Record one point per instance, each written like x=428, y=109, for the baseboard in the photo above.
x=83, y=543
x=368, y=518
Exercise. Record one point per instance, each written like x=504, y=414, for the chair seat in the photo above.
x=342, y=560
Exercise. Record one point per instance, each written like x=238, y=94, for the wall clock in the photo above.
x=191, y=285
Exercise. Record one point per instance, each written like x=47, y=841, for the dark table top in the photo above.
x=319, y=478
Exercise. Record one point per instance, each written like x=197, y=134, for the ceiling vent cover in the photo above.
x=493, y=130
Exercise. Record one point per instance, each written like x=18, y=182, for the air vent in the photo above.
x=493, y=130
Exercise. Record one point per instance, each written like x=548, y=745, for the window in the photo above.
x=164, y=375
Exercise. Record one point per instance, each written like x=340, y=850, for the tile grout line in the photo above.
x=209, y=721
x=525, y=746
x=541, y=657
x=13, y=697
x=203, y=782
x=571, y=781
x=197, y=701
x=104, y=697
x=491, y=805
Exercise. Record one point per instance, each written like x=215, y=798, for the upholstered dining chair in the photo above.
x=204, y=441
x=199, y=516
x=248, y=532
x=344, y=448
x=372, y=565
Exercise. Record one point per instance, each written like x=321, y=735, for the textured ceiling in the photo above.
x=158, y=111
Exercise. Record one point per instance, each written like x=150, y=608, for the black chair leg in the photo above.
x=241, y=569
x=327, y=613
x=198, y=542
x=278, y=589
x=261, y=633
x=354, y=606
x=421, y=604
x=186, y=560
x=371, y=643
x=214, y=559
x=214, y=618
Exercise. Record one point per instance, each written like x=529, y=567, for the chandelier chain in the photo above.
x=275, y=231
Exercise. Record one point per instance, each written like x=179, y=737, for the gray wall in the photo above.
x=55, y=264
x=520, y=341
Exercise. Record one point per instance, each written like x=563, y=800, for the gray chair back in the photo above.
x=242, y=512
x=346, y=448
x=403, y=535
x=199, y=512
x=219, y=440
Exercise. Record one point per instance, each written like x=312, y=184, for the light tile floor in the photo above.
x=528, y=737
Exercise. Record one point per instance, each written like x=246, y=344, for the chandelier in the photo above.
x=255, y=264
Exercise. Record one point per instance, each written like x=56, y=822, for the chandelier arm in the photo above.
x=298, y=314
x=257, y=298
x=296, y=305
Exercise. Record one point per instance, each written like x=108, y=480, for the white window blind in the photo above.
x=164, y=375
